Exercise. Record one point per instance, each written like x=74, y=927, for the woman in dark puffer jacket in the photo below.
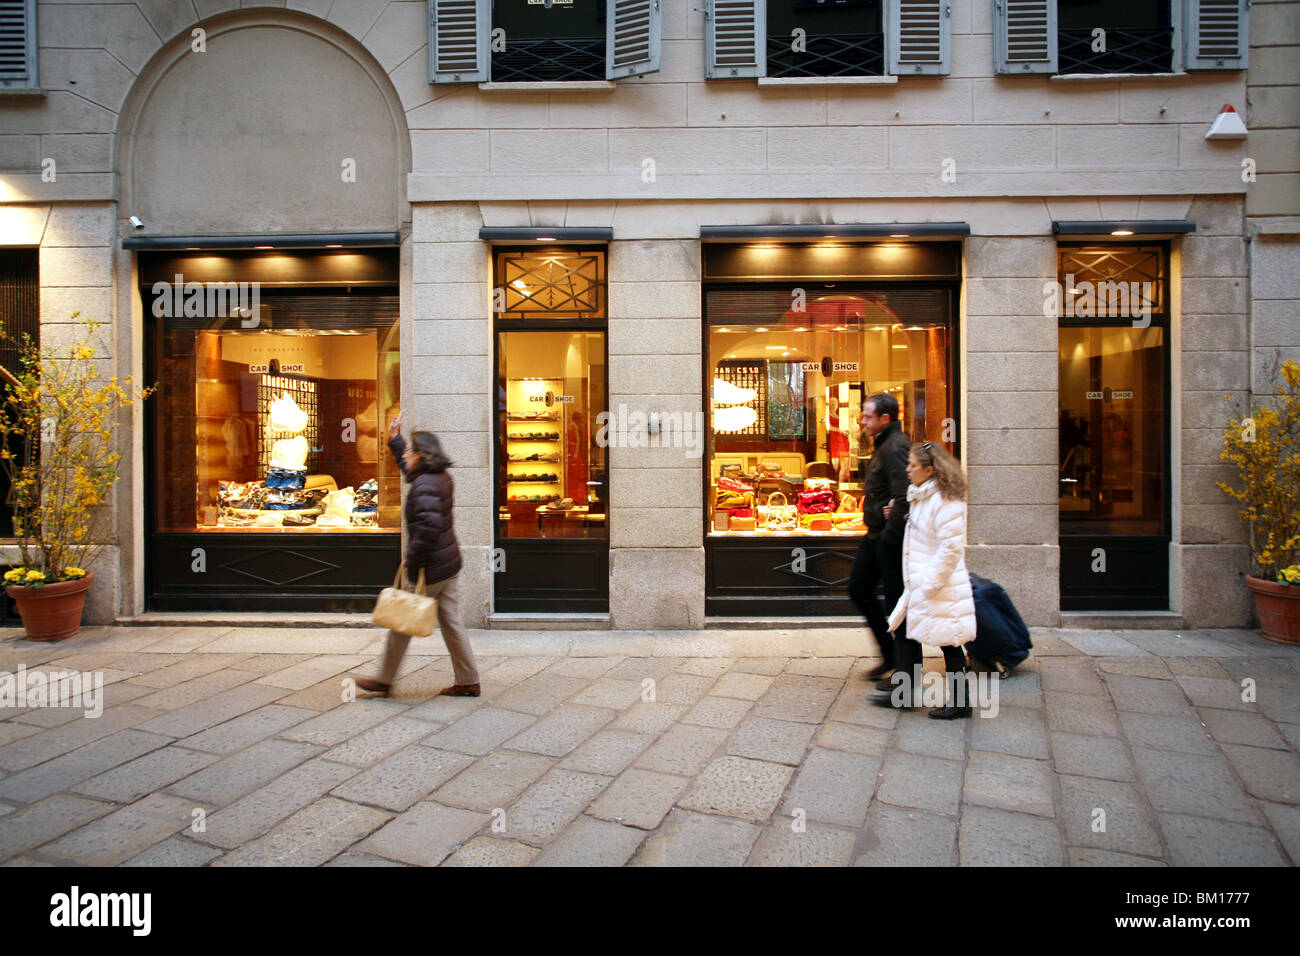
x=431, y=545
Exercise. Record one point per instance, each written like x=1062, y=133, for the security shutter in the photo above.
x=632, y=30
x=18, y=43
x=458, y=40
x=1217, y=34
x=920, y=36
x=735, y=38
x=1024, y=38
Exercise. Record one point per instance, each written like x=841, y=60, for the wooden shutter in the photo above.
x=632, y=32
x=458, y=41
x=919, y=33
x=735, y=38
x=1217, y=35
x=18, y=43
x=1024, y=36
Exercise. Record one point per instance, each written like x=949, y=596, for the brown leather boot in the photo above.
x=460, y=690
x=372, y=686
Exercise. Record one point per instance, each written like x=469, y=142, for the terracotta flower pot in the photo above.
x=1279, y=609
x=52, y=612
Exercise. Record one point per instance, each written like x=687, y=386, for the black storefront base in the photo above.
x=767, y=577
x=552, y=576
x=1136, y=576
x=270, y=572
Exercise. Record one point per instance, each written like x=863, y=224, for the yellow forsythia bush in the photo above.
x=60, y=449
x=1264, y=448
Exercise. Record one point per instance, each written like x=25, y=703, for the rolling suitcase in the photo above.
x=1001, y=637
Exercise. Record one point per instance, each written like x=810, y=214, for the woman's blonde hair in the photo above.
x=948, y=474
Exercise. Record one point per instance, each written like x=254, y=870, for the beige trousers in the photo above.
x=453, y=635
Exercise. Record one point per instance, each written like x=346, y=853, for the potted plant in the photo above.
x=1264, y=448
x=58, y=425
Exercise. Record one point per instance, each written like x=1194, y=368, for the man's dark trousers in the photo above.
x=878, y=562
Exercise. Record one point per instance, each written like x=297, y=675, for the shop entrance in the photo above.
x=551, y=541
x=1114, y=429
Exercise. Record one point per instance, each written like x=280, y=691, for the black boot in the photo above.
x=959, y=692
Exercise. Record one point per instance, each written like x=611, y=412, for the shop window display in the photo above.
x=278, y=427
x=790, y=369
x=550, y=465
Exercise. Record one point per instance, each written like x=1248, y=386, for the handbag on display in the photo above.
x=819, y=484
x=407, y=612
x=848, y=516
x=816, y=522
x=778, y=517
x=733, y=493
x=740, y=524
x=815, y=502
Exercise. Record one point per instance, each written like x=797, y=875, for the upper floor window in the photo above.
x=505, y=41
x=1112, y=37
x=826, y=38
x=18, y=44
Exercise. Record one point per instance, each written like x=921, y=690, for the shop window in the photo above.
x=790, y=368
x=826, y=38
x=281, y=427
x=551, y=474
x=1113, y=390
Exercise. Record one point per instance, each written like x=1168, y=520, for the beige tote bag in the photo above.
x=407, y=612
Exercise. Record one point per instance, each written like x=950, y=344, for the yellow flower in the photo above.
x=74, y=572
x=15, y=574
x=35, y=575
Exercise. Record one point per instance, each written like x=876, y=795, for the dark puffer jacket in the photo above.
x=886, y=479
x=430, y=538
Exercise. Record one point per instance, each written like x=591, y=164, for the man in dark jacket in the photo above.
x=880, y=556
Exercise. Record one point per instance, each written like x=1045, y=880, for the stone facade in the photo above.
x=251, y=140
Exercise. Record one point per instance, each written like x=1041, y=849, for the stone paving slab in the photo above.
x=492, y=782
x=608, y=753
x=790, y=842
x=311, y=836
x=399, y=780
x=240, y=774
x=639, y=798
x=591, y=842
x=697, y=839
x=722, y=747
x=116, y=837
x=424, y=835
x=897, y=837
x=739, y=787
x=153, y=771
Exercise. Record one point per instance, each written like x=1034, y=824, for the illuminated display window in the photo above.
x=790, y=367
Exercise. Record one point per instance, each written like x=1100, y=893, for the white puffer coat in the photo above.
x=936, y=597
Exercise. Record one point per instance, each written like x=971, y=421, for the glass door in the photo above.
x=552, y=527
x=1113, y=434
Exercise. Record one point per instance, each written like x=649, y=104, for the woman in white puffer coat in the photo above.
x=937, y=602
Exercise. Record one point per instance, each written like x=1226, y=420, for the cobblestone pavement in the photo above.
x=759, y=748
